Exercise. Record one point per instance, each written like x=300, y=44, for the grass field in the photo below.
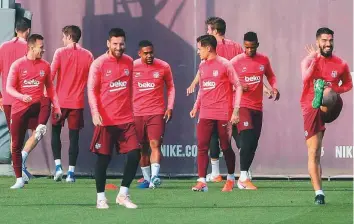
x=44, y=201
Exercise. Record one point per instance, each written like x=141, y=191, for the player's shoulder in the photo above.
x=44, y=62
x=262, y=57
x=237, y=58
x=339, y=60
x=161, y=63
x=137, y=62
x=127, y=58
x=19, y=61
x=86, y=52
x=222, y=60
x=100, y=60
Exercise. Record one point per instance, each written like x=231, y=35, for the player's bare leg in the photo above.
x=314, y=145
x=145, y=167
x=155, y=159
x=30, y=144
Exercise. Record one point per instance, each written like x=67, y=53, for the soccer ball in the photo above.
x=329, y=97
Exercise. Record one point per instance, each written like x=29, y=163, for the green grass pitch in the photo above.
x=45, y=201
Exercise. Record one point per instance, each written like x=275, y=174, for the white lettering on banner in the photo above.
x=179, y=150
x=344, y=152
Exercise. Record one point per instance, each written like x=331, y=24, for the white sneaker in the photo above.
x=40, y=131
x=155, y=182
x=18, y=184
x=125, y=201
x=102, y=204
x=58, y=173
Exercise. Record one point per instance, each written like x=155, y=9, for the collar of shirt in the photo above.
x=18, y=38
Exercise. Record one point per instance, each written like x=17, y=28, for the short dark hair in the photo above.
x=218, y=24
x=250, y=36
x=116, y=32
x=145, y=43
x=73, y=31
x=324, y=30
x=207, y=40
x=33, y=39
x=22, y=25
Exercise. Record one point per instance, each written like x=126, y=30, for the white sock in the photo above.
x=155, y=169
x=146, y=172
x=19, y=180
x=319, y=192
x=24, y=157
x=201, y=179
x=72, y=169
x=243, y=176
x=101, y=196
x=215, y=168
x=57, y=162
x=231, y=177
x=123, y=190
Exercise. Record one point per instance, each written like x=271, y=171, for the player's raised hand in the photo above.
x=97, y=120
x=191, y=89
x=276, y=94
x=168, y=115
x=311, y=49
x=193, y=113
x=26, y=98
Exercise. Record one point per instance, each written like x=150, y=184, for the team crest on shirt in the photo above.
x=98, y=146
x=245, y=123
x=306, y=133
x=215, y=73
x=334, y=74
x=108, y=72
x=261, y=68
x=41, y=73
x=126, y=72
x=156, y=75
x=244, y=69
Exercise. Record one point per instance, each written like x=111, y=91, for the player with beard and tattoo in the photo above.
x=325, y=76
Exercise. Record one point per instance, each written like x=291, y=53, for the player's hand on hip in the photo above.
x=276, y=94
x=168, y=115
x=97, y=120
x=193, y=113
x=26, y=98
x=191, y=89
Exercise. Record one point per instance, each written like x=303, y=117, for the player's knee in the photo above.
x=155, y=145
x=329, y=98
